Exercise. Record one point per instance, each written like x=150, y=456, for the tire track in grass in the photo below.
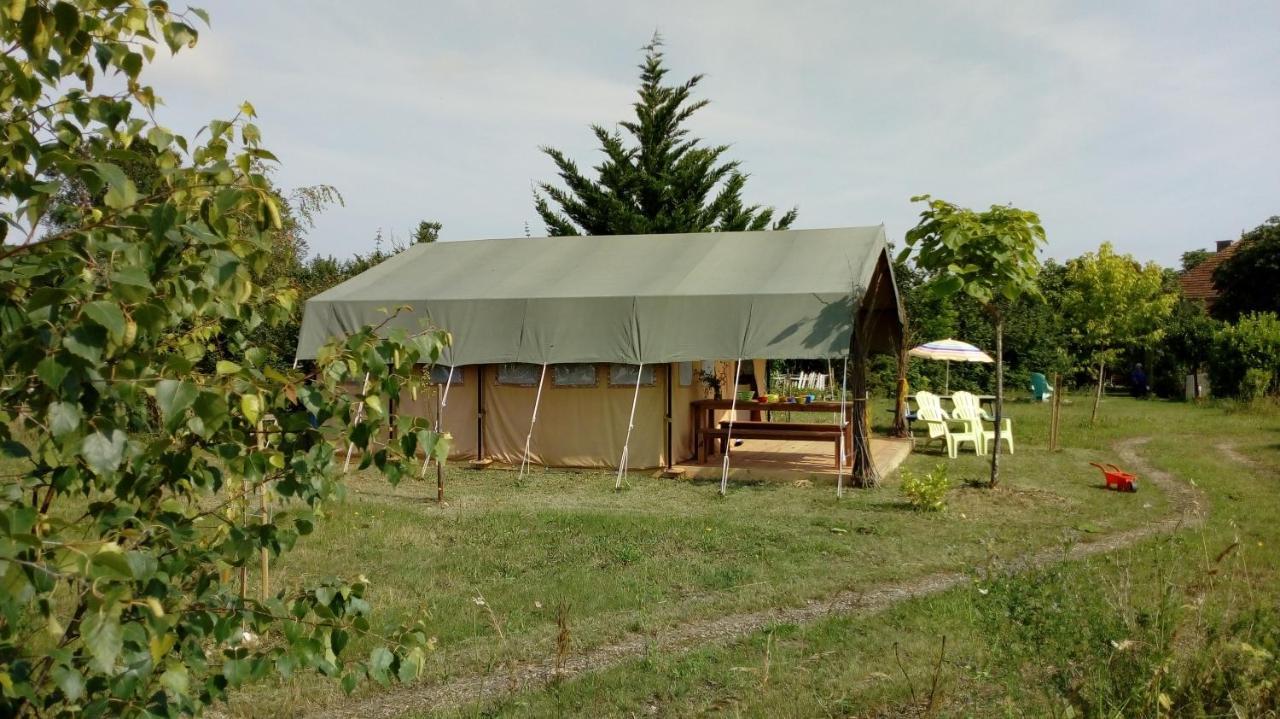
x=1188, y=510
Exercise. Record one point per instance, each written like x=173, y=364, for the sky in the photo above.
x=1151, y=125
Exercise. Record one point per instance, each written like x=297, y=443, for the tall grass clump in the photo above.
x=1181, y=646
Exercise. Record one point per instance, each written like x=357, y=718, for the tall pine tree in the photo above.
x=662, y=182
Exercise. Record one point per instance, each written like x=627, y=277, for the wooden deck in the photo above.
x=791, y=459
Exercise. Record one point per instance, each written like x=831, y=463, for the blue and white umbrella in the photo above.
x=950, y=350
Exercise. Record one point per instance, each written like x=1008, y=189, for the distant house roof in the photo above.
x=1197, y=282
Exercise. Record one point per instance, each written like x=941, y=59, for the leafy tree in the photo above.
x=1246, y=281
x=1246, y=356
x=1192, y=258
x=1112, y=302
x=663, y=182
x=988, y=256
x=427, y=231
x=128, y=469
x=1188, y=339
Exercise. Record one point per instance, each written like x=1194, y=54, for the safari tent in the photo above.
x=597, y=330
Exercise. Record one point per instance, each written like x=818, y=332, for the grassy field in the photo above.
x=1163, y=627
x=495, y=568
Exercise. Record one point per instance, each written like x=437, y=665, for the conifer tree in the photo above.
x=655, y=178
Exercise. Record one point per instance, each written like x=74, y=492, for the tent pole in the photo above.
x=728, y=440
x=479, y=412
x=537, y=399
x=359, y=415
x=631, y=423
x=669, y=419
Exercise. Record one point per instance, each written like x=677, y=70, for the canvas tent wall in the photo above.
x=656, y=300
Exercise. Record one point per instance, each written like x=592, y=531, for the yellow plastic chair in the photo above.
x=940, y=427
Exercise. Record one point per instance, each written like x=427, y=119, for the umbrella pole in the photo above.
x=946, y=385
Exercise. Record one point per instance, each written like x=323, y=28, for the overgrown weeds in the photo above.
x=1180, y=646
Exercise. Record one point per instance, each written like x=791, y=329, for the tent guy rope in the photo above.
x=631, y=423
x=537, y=399
x=728, y=440
x=359, y=415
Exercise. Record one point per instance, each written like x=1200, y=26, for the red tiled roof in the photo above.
x=1197, y=282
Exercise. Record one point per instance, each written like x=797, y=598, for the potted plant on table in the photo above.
x=711, y=381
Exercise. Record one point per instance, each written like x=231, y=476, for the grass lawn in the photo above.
x=663, y=552
x=1105, y=608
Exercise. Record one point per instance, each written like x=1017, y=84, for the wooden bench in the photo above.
x=772, y=430
x=784, y=426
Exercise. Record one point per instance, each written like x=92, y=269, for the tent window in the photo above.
x=439, y=374
x=686, y=374
x=519, y=373
x=574, y=375
x=625, y=374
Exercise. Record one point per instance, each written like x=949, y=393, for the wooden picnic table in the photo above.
x=704, y=416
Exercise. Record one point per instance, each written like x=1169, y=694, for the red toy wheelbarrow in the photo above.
x=1117, y=478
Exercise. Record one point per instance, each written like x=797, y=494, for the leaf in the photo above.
x=64, y=418
x=108, y=315
x=51, y=372
x=121, y=192
x=175, y=679
x=134, y=276
x=103, y=639
x=226, y=367
x=210, y=414
x=86, y=342
x=173, y=397
x=104, y=453
x=251, y=406
x=380, y=660
x=947, y=285
x=70, y=681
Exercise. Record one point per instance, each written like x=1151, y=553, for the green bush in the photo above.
x=927, y=492
x=1253, y=343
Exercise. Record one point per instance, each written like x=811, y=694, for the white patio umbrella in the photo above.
x=950, y=351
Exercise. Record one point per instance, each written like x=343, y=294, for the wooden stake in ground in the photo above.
x=439, y=424
x=1097, y=397
x=264, y=560
x=1055, y=412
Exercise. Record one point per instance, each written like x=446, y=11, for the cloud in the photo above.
x=1150, y=125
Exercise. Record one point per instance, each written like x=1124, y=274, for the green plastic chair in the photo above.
x=1040, y=389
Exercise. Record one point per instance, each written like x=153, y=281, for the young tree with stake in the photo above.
x=990, y=256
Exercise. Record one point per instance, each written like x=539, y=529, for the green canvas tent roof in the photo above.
x=626, y=298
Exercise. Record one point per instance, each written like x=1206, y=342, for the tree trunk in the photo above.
x=863, y=469
x=900, y=426
x=1097, y=396
x=995, y=451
